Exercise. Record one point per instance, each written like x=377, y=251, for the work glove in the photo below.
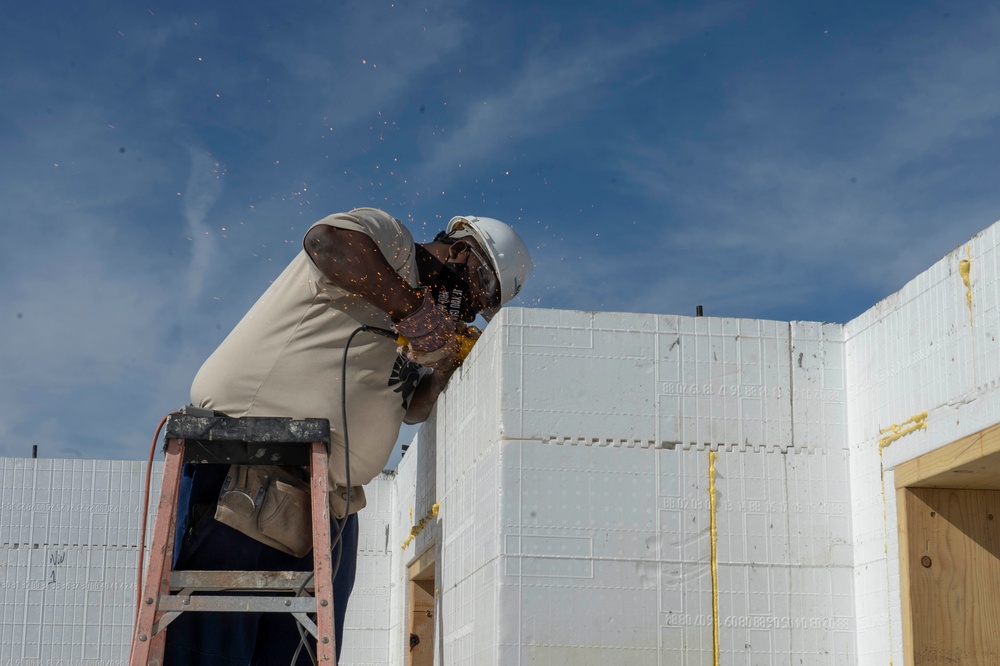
x=430, y=335
x=467, y=337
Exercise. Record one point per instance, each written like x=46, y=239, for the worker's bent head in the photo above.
x=505, y=251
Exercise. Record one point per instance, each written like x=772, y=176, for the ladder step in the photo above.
x=215, y=581
x=237, y=604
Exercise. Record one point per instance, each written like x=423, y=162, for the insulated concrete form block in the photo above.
x=469, y=521
x=552, y=361
x=372, y=536
x=367, y=628
x=514, y=556
x=416, y=532
x=580, y=575
x=783, y=543
x=61, y=607
x=607, y=556
x=921, y=372
x=469, y=551
x=724, y=382
x=69, y=546
x=401, y=552
x=415, y=527
x=876, y=573
x=929, y=348
x=792, y=508
x=914, y=353
x=893, y=582
x=468, y=416
x=984, y=276
x=662, y=380
x=71, y=502
x=68, y=554
x=819, y=402
x=876, y=584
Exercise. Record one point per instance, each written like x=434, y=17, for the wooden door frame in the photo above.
x=421, y=576
x=971, y=463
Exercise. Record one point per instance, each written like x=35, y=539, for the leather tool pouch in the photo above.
x=270, y=504
x=338, y=500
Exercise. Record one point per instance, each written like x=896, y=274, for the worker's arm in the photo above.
x=430, y=386
x=352, y=261
x=426, y=394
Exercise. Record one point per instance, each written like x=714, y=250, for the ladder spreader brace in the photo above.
x=166, y=593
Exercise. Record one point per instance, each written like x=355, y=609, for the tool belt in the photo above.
x=271, y=504
x=338, y=501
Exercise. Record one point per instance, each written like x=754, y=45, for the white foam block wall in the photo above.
x=68, y=554
x=624, y=407
x=416, y=473
x=367, y=626
x=572, y=473
x=925, y=349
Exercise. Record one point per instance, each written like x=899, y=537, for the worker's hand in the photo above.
x=430, y=335
x=467, y=337
x=463, y=330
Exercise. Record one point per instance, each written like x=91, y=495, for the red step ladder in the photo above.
x=167, y=593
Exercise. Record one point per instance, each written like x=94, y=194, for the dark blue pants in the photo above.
x=243, y=639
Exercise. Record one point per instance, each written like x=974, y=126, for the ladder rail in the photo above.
x=147, y=645
x=326, y=642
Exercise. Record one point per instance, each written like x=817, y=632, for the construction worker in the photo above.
x=286, y=358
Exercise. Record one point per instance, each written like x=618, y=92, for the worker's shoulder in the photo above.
x=362, y=219
x=372, y=212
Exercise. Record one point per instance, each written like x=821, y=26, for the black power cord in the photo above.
x=341, y=525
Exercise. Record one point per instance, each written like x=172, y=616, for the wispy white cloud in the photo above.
x=347, y=66
x=558, y=84
x=90, y=217
x=117, y=309
x=203, y=189
x=789, y=204
x=80, y=328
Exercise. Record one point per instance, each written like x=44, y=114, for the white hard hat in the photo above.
x=508, y=253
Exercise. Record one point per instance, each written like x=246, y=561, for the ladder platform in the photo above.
x=251, y=440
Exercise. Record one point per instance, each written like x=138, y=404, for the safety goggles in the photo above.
x=487, y=280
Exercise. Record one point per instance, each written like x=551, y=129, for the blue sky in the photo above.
x=160, y=163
